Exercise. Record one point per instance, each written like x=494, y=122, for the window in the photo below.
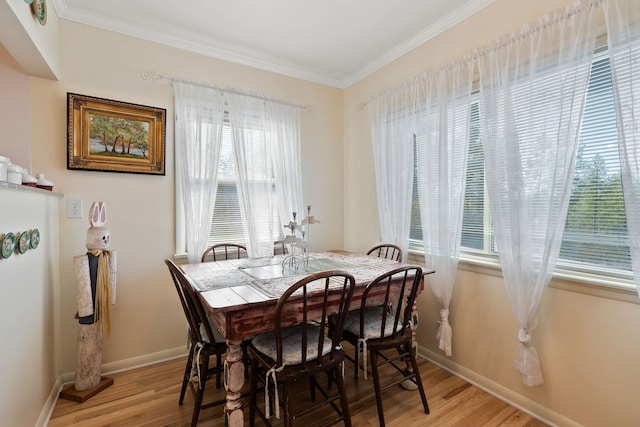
x=262, y=138
x=596, y=230
x=475, y=217
x=595, y=238
x=227, y=224
x=415, y=232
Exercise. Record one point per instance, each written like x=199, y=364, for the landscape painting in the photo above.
x=114, y=136
x=118, y=137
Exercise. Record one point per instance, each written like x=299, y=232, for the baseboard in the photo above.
x=516, y=400
x=134, y=362
x=47, y=409
x=144, y=360
x=107, y=369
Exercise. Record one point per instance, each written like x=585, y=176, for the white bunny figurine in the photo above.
x=95, y=275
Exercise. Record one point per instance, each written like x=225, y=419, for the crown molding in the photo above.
x=454, y=18
x=269, y=63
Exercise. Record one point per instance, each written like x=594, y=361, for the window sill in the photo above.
x=589, y=284
x=181, y=257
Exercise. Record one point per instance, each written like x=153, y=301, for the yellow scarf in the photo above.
x=102, y=308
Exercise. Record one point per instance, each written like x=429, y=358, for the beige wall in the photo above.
x=588, y=345
x=147, y=321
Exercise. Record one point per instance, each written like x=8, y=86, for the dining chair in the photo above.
x=375, y=330
x=205, y=342
x=301, y=349
x=386, y=250
x=279, y=248
x=223, y=251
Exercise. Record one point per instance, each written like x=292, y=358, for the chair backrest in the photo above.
x=386, y=250
x=316, y=297
x=223, y=251
x=397, y=290
x=279, y=248
x=192, y=306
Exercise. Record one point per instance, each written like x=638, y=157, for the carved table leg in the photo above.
x=233, y=382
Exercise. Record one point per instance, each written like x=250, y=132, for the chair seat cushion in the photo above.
x=291, y=344
x=372, y=323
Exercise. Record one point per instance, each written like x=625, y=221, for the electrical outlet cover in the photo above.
x=74, y=208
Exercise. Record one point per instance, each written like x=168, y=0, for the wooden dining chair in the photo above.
x=223, y=251
x=374, y=330
x=204, y=341
x=386, y=250
x=279, y=248
x=297, y=352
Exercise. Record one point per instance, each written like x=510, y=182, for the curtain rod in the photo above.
x=154, y=77
x=548, y=20
x=412, y=82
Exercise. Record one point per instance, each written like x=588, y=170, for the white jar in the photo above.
x=4, y=163
x=29, y=180
x=44, y=183
x=14, y=174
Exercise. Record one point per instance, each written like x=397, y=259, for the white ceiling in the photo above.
x=332, y=42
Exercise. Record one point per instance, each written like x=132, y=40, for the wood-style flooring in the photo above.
x=149, y=397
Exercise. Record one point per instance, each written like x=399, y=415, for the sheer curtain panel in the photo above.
x=392, y=131
x=266, y=145
x=199, y=119
x=623, y=35
x=287, y=161
x=442, y=137
x=532, y=93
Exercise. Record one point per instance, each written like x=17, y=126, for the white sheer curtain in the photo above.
x=287, y=161
x=199, y=119
x=623, y=39
x=392, y=131
x=443, y=117
x=532, y=93
x=266, y=144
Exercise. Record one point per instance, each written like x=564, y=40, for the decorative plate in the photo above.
x=24, y=240
x=35, y=238
x=39, y=9
x=7, y=245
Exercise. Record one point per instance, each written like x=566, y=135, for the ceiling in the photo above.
x=332, y=42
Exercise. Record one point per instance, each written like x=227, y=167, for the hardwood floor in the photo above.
x=149, y=397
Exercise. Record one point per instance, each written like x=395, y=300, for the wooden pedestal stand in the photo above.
x=70, y=392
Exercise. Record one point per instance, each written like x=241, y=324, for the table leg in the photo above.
x=408, y=384
x=233, y=382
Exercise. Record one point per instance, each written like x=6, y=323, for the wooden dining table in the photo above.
x=240, y=298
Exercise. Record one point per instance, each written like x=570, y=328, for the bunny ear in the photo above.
x=94, y=214
x=103, y=213
x=98, y=214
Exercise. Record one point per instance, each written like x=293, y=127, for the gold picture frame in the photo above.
x=114, y=136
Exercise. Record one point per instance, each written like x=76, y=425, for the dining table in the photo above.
x=240, y=297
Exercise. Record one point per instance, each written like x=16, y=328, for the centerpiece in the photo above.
x=298, y=242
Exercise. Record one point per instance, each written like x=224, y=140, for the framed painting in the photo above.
x=114, y=136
